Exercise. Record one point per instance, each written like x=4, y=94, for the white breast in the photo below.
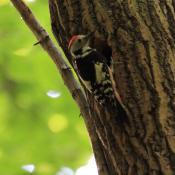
x=100, y=74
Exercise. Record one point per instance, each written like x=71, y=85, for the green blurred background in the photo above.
x=35, y=128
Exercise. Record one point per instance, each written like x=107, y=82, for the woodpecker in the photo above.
x=93, y=67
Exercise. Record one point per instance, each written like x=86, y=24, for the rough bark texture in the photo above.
x=142, y=36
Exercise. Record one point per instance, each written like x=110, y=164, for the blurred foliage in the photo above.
x=34, y=128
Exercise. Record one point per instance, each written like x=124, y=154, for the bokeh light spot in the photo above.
x=30, y=0
x=29, y=168
x=45, y=168
x=22, y=52
x=89, y=169
x=53, y=94
x=65, y=171
x=3, y=2
x=57, y=123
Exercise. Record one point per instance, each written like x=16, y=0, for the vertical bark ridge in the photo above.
x=89, y=20
x=58, y=28
x=135, y=142
x=136, y=84
x=146, y=36
x=63, y=15
x=112, y=146
x=169, y=13
x=168, y=84
x=151, y=10
x=173, y=4
x=103, y=17
x=75, y=16
x=145, y=91
x=132, y=82
x=101, y=154
x=108, y=144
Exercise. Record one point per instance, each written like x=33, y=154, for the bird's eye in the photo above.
x=79, y=40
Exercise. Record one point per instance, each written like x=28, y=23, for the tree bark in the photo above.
x=142, y=36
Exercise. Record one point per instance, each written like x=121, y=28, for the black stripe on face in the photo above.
x=81, y=52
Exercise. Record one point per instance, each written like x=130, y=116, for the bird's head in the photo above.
x=78, y=43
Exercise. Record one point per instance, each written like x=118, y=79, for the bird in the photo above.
x=93, y=66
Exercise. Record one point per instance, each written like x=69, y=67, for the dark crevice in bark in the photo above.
x=109, y=6
x=143, y=10
x=104, y=131
x=147, y=49
x=113, y=131
x=171, y=155
x=76, y=17
x=142, y=70
x=152, y=96
x=110, y=166
x=56, y=27
x=157, y=33
x=155, y=111
x=169, y=15
x=89, y=17
x=134, y=96
x=173, y=4
x=159, y=150
x=142, y=7
x=63, y=16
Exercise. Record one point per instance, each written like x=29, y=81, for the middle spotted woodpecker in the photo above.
x=93, y=68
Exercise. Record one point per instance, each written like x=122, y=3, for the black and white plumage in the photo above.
x=93, y=68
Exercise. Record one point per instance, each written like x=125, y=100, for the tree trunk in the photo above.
x=142, y=36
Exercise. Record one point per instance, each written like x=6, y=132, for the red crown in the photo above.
x=72, y=40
